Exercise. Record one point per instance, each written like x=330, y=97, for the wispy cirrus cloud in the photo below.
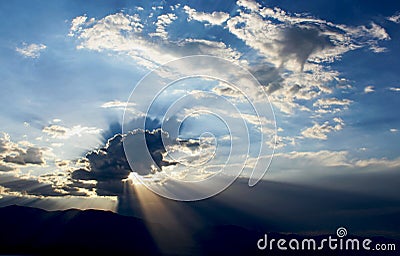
x=122, y=106
x=117, y=104
x=326, y=102
x=62, y=132
x=31, y=50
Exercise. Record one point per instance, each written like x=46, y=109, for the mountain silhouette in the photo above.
x=33, y=231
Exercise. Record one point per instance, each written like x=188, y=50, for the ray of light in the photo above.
x=160, y=212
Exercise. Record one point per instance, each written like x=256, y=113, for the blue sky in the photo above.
x=330, y=71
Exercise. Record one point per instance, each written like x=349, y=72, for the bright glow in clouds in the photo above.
x=176, y=185
x=65, y=92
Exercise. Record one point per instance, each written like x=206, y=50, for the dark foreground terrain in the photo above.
x=34, y=231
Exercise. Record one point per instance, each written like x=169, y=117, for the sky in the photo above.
x=322, y=83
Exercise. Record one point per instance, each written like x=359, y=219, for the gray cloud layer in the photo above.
x=14, y=155
x=108, y=165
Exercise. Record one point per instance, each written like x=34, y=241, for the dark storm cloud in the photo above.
x=109, y=166
x=301, y=42
x=31, y=156
x=27, y=186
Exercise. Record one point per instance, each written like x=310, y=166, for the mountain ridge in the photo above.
x=27, y=230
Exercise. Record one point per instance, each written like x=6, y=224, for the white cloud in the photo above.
x=378, y=162
x=325, y=164
x=55, y=130
x=162, y=22
x=394, y=18
x=57, y=145
x=107, y=32
x=122, y=106
x=31, y=50
x=249, y=4
x=327, y=158
x=299, y=42
x=323, y=157
x=122, y=33
x=325, y=103
x=117, y=104
x=281, y=141
x=61, y=132
x=393, y=130
x=338, y=120
x=369, y=89
x=395, y=89
x=376, y=31
x=301, y=37
x=76, y=24
x=320, y=131
x=214, y=18
x=292, y=50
